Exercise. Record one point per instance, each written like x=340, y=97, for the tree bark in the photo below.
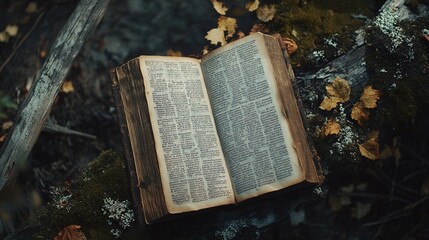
x=36, y=107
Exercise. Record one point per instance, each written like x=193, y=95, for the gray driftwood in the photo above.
x=35, y=109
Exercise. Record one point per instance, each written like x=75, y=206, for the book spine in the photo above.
x=137, y=201
x=290, y=73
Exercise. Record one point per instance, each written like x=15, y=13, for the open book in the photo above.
x=201, y=133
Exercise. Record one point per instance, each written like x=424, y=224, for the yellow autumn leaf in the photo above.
x=252, y=6
x=360, y=113
x=227, y=24
x=369, y=97
x=11, y=30
x=331, y=127
x=219, y=7
x=370, y=149
x=173, y=53
x=291, y=45
x=67, y=87
x=216, y=36
x=329, y=103
x=266, y=12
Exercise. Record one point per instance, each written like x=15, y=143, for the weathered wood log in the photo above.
x=35, y=109
x=352, y=64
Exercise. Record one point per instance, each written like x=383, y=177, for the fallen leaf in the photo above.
x=339, y=88
x=3, y=137
x=252, y=6
x=4, y=37
x=360, y=113
x=259, y=27
x=31, y=7
x=337, y=92
x=427, y=37
x=216, y=36
x=291, y=46
x=7, y=125
x=173, y=53
x=331, y=127
x=266, y=12
x=67, y=87
x=227, y=24
x=219, y=7
x=369, y=97
x=370, y=149
x=361, y=210
x=329, y=103
x=11, y=30
x=71, y=232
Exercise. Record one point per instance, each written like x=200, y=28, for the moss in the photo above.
x=401, y=74
x=315, y=23
x=105, y=177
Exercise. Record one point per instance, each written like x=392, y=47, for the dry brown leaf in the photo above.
x=259, y=27
x=370, y=149
x=67, y=87
x=291, y=46
x=173, y=53
x=3, y=137
x=360, y=113
x=11, y=30
x=7, y=125
x=266, y=12
x=216, y=36
x=227, y=24
x=252, y=6
x=329, y=103
x=339, y=88
x=369, y=97
x=31, y=7
x=219, y=7
x=331, y=127
x=71, y=232
x=337, y=92
x=427, y=37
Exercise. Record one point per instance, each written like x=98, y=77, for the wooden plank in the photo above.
x=36, y=107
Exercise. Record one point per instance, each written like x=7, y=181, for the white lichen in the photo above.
x=388, y=23
x=318, y=55
x=117, y=212
x=346, y=137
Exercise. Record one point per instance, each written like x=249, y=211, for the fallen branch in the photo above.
x=36, y=107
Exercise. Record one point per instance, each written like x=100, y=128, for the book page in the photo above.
x=254, y=133
x=193, y=170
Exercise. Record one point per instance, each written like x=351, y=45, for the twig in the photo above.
x=397, y=214
x=21, y=42
x=51, y=127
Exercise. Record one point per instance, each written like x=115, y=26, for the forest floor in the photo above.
x=360, y=199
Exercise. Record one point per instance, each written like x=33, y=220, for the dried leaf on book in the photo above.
x=216, y=36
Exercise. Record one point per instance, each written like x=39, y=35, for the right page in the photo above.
x=250, y=118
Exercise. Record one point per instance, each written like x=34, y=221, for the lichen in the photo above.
x=105, y=177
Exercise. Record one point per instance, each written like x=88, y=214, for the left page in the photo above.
x=192, y=165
